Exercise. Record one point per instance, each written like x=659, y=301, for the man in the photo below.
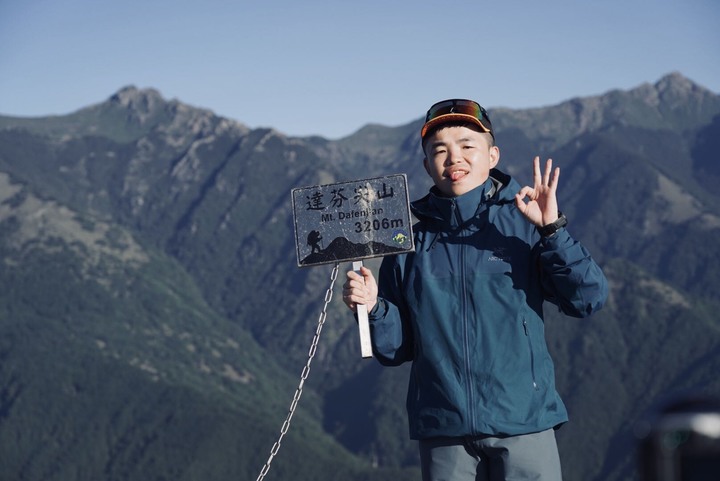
x=466, y=306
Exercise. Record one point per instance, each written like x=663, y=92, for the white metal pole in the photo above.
x=363, y=324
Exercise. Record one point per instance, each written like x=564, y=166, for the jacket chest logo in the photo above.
x=499, y=254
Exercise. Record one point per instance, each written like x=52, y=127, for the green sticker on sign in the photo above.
x=352, y=220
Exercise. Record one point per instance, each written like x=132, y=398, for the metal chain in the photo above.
x=304, y=375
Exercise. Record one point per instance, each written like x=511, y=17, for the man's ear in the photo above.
x=426, y=165
x=494, y=156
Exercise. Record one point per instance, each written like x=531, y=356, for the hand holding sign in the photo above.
x=360, y=287
x=360, y=295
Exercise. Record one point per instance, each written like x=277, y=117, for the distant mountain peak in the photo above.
x=130, y=92
x=674, y=102
x=142, y=100
x=676, y=82
x=147, y=107
x=674, y=90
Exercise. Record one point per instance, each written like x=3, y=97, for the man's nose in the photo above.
x=454, y=155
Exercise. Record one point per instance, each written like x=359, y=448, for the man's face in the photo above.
x=458, y=159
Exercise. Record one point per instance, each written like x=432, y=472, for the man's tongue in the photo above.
x=457, y=175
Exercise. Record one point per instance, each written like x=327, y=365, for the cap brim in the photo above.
x=451, y=118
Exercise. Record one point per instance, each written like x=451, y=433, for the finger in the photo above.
x=347, y=299
x=356, y=288
x=548, y=171
x=367, y=275
x=526, y=191
x=353, y=276
x=520, y=199
x=555, y=179
x=352, y=297
x=357, y=298
x=351, y=284
x=536, y=171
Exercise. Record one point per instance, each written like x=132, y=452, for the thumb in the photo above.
x=367, y=275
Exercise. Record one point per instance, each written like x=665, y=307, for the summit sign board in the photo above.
x=350, y=221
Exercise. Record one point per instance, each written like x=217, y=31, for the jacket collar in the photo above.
x=458, y=210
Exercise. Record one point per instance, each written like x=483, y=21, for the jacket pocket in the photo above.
x=531, y=352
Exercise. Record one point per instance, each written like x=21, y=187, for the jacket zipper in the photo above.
x=466, y=337
x=532, y=355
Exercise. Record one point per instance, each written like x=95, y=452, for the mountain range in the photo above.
x=154, y=323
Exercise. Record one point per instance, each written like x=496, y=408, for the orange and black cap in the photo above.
x=454, y=110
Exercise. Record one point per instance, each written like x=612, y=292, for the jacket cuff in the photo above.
x=562, y=236
x=379, y=309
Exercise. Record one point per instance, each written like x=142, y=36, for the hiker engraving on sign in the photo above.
x=352, y=220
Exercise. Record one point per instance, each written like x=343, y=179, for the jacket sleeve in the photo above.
x=570, y=277
x=390, y=329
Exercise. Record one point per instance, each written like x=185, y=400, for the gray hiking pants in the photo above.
x=485, y=458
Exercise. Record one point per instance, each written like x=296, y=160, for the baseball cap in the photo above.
x=453, y=110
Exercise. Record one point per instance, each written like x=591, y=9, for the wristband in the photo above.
x=550, y=229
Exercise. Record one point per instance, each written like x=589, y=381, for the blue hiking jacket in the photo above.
x=466, y=309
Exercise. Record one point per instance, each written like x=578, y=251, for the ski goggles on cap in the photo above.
x=456, y=110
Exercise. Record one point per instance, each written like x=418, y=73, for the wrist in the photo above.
x=550, y=229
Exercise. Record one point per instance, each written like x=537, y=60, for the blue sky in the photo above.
x=329, y=67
